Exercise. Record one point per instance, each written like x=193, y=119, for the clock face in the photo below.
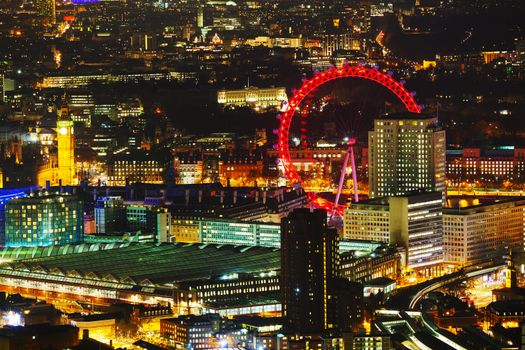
x=63, y=131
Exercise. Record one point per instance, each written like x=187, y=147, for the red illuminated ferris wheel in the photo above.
x=299, y=99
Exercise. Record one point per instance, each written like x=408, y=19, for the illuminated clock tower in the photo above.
x=66, y=148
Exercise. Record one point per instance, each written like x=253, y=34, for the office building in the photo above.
x=225, y=231
x=350, y=307
x=238, y=293
x=191, y=331
x=110, y=215
x=149, y=217
x=406, y=154
x=416, y=224
x=137, y=166
x=44, y=219
x=367, y=220
x=412, y=222
x=309, y=269
x=475, y=231
x=5, y=196
x=385, y=261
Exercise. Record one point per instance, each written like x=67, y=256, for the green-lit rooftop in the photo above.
x=125, y=266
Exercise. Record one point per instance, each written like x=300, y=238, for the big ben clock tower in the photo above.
x=66, y=147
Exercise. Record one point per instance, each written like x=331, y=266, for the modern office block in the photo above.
x=44, y=219
x=406, y=154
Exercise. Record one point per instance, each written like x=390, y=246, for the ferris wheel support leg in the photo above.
x=349, y=155
x=341, y=179
x=354, y=172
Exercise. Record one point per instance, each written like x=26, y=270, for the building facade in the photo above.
x=137, y=167
x=471, y=164
x=412, y=222
x=406, y=153
x=110, y=215
x=309, y=268
x=476, y=233
x=149, y=218
x=258, y=99
x=223, y=231
x=44, y=219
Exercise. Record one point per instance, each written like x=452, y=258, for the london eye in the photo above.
x=306, y=101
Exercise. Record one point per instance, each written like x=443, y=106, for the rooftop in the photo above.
x=406, y=115
x=147, y=264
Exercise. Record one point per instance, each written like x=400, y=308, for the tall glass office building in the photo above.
x=43, y=219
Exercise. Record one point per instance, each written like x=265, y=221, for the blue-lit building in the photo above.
x=43, y=219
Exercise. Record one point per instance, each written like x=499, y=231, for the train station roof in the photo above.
x=127, y=266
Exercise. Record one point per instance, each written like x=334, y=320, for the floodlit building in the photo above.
x=241, y=170
x=44, y=219
x=256, y=98
x=188, y=169
x=60, y=169
x=406, y=154
x=334, y=42
x=475, y=231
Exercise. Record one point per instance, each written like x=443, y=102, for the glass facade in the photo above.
x=43, y=219
x=240, y=233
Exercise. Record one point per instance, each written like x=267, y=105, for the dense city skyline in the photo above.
x=262, y=174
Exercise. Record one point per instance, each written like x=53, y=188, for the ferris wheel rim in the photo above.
x=312, y=84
